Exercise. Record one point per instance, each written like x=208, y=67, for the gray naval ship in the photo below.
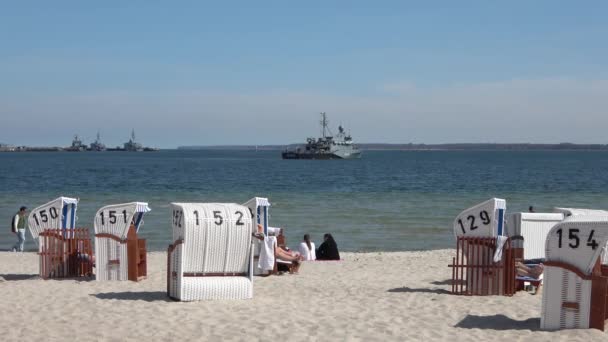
x=326, y=147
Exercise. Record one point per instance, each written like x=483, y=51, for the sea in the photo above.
x=385, y=201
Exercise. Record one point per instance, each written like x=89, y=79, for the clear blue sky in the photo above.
x=259, y=72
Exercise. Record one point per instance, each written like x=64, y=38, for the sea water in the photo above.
x=385, y=201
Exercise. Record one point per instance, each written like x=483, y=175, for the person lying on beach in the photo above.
x=524, y=270
x=328, y=249
x=282, y=253
x=286, y=255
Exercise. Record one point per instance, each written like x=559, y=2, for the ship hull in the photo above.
x=318, y=156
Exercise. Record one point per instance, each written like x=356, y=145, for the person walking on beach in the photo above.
x=18, y=227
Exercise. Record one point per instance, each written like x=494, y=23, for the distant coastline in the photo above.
x=423, y=147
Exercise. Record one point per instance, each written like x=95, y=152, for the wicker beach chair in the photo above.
x=64, y=251
x=211, y=256
x=120, y=254
x=575, y=294
x=533, y=228
x=484, y=262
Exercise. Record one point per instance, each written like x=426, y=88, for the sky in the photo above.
x=205, y=73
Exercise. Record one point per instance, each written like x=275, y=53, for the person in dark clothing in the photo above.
x=328, y=249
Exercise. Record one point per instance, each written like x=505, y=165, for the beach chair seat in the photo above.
x=212, y=253
x=523, y=283
x=575, y=294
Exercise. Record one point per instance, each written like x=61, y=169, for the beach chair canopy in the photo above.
x=216, y=236
x=578, y=241
x=258, y=207
x=580, y=212
x=534, y=228
x=484, y=219
x=569, y=212
x=116, y=219
x=58, y=213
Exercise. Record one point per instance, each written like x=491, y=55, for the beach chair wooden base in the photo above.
x=474, y=272
x=136, y=254
x=65, y=253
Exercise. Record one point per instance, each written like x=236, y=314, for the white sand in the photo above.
x=371, y=296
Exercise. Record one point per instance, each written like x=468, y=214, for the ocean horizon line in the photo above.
x=420, y=147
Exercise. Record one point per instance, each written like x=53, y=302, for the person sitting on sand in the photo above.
x=328, y=249
x=307, y=248
x=524, y=270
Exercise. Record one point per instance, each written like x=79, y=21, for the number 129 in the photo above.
x=483, y=215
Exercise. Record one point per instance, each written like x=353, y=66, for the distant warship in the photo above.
x=131, y=145
x=77, y=145
x=97, y=145
x=326, y=147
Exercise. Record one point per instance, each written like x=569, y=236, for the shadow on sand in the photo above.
x=498, y=322
x=411, y=290
x=17, y=277
x=152, y=296
x=447, y=282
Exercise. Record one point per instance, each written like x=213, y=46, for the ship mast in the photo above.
x=323, y=123
x=133, y=134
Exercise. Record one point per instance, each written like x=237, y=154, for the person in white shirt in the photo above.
x=307, y=248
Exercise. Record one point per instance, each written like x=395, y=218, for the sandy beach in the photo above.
x=399, y=296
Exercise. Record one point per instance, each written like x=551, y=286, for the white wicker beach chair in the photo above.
x=575, y=291
x=59, y=213
x=533, y=228
x=63, y=250
x=112, y=224
x=211, y=256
